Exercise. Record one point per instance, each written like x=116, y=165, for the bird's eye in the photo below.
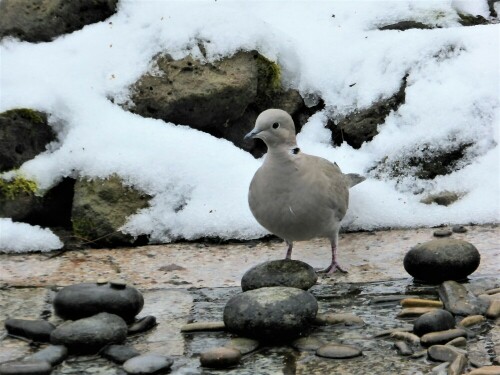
x=276, y=125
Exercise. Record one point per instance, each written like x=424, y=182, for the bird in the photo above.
x=294, y=195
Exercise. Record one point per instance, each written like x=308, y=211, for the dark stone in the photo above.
x=441, y=337
x=283, y=272
x=459, y=301
x=90, y=334
x=53, y=354
x=437, y=320
x=42, y=21
x=442, y=233
x=142, y=325
x=274, y=314
x=36, y=330
x=360, y=127
x=338, y=351
x=406, y=25
x=470, y=20
x=148, y=364
x=87, y=299
x=459, y=229
x=25, y=368
x=220, y=357
x=442, y=259
x=119, y=353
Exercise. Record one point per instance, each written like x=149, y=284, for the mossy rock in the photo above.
x=101, y=207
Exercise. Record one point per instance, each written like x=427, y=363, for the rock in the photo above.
x=203, y=326
x=412, y=312
x=242, y=344
x=332, y=319
x=458, y=300
x=388, y=332
x=457, y=342
x=458, y=365
x=444, y=198
x=148, y=364
x=405, y=25
x=442, y=259
x=442, y=233
x=471, y=320
x=441, y=337
x=142, y=325
x=53, y=354
x=458, y=229
x=35, y=21
x=470, y=20
x=220, y=357
x=275, y=313
x=101, y=207
x=493, y=311
x=444, y=353
x=87, y=299
x=222, y=98
x=486, y=370
x=309, y=343
x=437, y=320
x=338, y=351
x=36, y=330
x=403, y=348
x=90, y=334
x=282, y=272
x=417, y=302
x=390, y=298
x=362, y=126
x=441, y=369
x=492, y=291
x=25, y=368
x=119, y=353
x=406, y=336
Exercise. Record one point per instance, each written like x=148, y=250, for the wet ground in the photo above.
x=190, y=282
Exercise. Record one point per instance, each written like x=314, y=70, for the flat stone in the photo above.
x=492, y=291
x=36, y=330
x=406, y=336
x=457, y=342
x=412, y=312
x=390, y=298
x=334, y=318
x=25, y=368
x=441, y=337
x=243, y=344
x=458, y=229
x=309, y=343
x=282, y=272
x=458, y=365
x=442, y=259
x=388, y=332
x=403, y=348
x=142, y=325
x=220, y=357
x=275, y=313
x=87, y=299
x=493, y=311
x=203, y=326
x=441, y=369
x=90, y=334
x=437, y=320
x=471, y=320
x=53, y=354
x=147, y=364
x=338, y=351
x=444, y=353
x=458, y=300
x=417, y=302
x=486, y=370
x=119, y=353
x=442, y=233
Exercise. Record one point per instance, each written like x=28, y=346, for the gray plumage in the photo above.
x=294, y=195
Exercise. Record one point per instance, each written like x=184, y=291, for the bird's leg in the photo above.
x=289, y=250
x=334, y=266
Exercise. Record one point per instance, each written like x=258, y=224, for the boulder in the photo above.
x=274, y=313
x=101, y=207
x=42, y=21
x=442, y=259
x=87, y=299
x=282, y=272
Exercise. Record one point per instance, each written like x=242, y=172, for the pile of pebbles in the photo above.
x=98, y=318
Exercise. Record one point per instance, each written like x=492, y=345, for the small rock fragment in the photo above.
x=412, y=312
x=471, y=320
x=458, y=365
x=457, y=342
x=406, y=336
x=147, y=364
x=440, y=369
x=119, y=353
x=493, y=311
x=437, y=320
x=220, y=357
x=53, y=354
x=444, y=353
x=486, y=370
x=37, y=330
x=417, y=302
x=403, y=348
x=142, y=325
x=338, y=351
x=309, y=343
x=442, y=233
x=25, y=368
x=332, y=319
x=243, y=344
x=441, y=337
x=203, y=326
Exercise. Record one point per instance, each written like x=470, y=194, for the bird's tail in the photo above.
x=354, y=179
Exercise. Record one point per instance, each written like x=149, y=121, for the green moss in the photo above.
x=83, y=227
x=10, y=189
x=26, y=113
x=470, y=20
x=269, y=75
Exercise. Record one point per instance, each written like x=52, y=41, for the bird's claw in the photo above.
x=332, y=268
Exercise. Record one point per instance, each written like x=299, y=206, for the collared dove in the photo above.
x=294, y=195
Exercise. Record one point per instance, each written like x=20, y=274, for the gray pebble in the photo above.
x=147, y=364
x=441, y=337
x=242, y=344
x=119, y=353
x=220, y=357
x=338, y=351
x=53, y=354
x=403, y=348
x=444, y=353
x=142, y=325
x=442, y=233
x=339, y=318
x=37, y=330
x=459, y=229
x=309, y=343
x=25, y=368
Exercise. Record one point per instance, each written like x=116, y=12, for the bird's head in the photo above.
x=275, y=127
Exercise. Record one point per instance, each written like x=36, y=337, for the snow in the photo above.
x=22, y=237
x=323, y=48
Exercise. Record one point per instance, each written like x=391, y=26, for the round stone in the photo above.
x=148, y=364
x=459, y=229
x=437, y=320
x=442, y=259
x=90, y=334
x=274, y=314
x=119, y=353
x=142, y=325
x=338, y=351
x=220, y=357
x=442, y=233
x=283, y=272
x=87, y=299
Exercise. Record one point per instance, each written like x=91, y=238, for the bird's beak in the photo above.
x=252, y=134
